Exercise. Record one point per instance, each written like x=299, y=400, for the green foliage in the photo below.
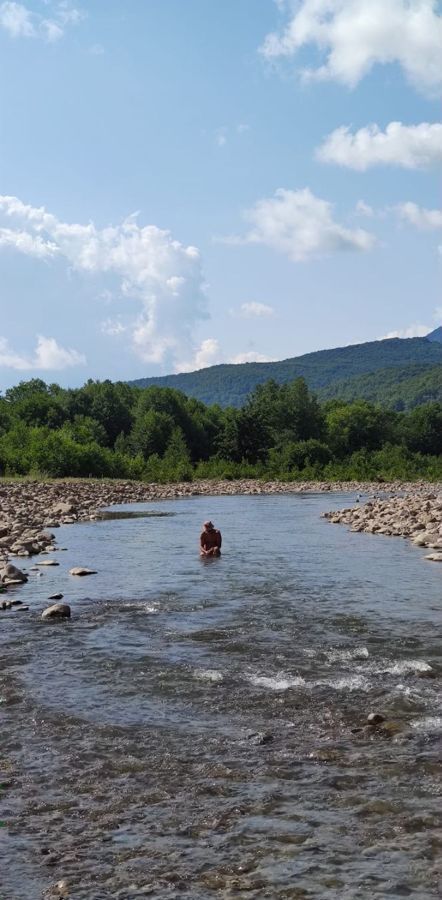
x=159, y=434
x=358, y=425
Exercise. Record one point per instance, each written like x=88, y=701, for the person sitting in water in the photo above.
x=210, y=540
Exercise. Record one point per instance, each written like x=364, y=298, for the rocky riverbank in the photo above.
x=415, y=515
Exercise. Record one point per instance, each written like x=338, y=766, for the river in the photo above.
x=199, y=727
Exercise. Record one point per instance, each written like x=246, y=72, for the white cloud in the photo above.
x=51, y=30
x=352, y=36
x=32, y=245
x=208, y=354
x=250, y=310
x=424, y=219
x=47, y=355
x=250, y=356
x=301, y=226
x=113, y=327
x=16, y=20
x=21, y=22
x=415, y=330
x=412, y=146
x=161, y=273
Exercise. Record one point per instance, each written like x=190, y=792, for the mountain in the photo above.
x=435, y=335
x=398, y=388
x=229, y=385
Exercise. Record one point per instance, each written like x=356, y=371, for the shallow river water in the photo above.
x=198, y=728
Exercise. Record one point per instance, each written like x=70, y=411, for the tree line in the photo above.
x=116, y=430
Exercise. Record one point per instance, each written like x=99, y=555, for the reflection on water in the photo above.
x=199, y=726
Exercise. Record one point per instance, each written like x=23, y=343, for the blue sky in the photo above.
x=188, y=182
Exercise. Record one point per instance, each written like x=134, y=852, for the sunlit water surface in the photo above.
x=199, y=727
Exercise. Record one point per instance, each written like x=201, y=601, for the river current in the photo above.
x=199, y=727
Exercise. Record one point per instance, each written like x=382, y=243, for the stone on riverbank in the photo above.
x=416, y=516
x=57, y=611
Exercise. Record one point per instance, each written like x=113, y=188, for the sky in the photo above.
x=189, y=182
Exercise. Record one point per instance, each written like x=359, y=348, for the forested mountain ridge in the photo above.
x=230, y=384
x=395, y=387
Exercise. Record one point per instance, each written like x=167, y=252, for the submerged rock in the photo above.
x=57, y=611
x=56, y=597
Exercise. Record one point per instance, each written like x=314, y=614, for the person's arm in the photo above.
x=203, y=550
x=218, y=540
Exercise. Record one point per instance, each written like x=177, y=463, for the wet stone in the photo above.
x=79, y=570
x=57, y=611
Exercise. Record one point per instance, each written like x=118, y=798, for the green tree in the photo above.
x=358, y=425
x=422, y=429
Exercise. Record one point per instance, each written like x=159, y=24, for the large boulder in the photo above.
x=57, y=611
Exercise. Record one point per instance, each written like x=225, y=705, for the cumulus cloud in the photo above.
x=47, y=355
x=353, y=36
x=301, y=226
x=210, y=354
x=421, y=218
x=258, y=310
x=412, y=146
x=161, y=273
x=415, y=330
x=32, y=245
x=21, y=22
x=250, y=356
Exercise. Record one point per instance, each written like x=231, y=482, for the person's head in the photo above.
x=208, y=526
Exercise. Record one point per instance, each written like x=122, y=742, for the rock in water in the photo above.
x=48, y=562
x=57, y=611
x=375, y=718
x=78, y=570
x=10, y=573
x=56, y=597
